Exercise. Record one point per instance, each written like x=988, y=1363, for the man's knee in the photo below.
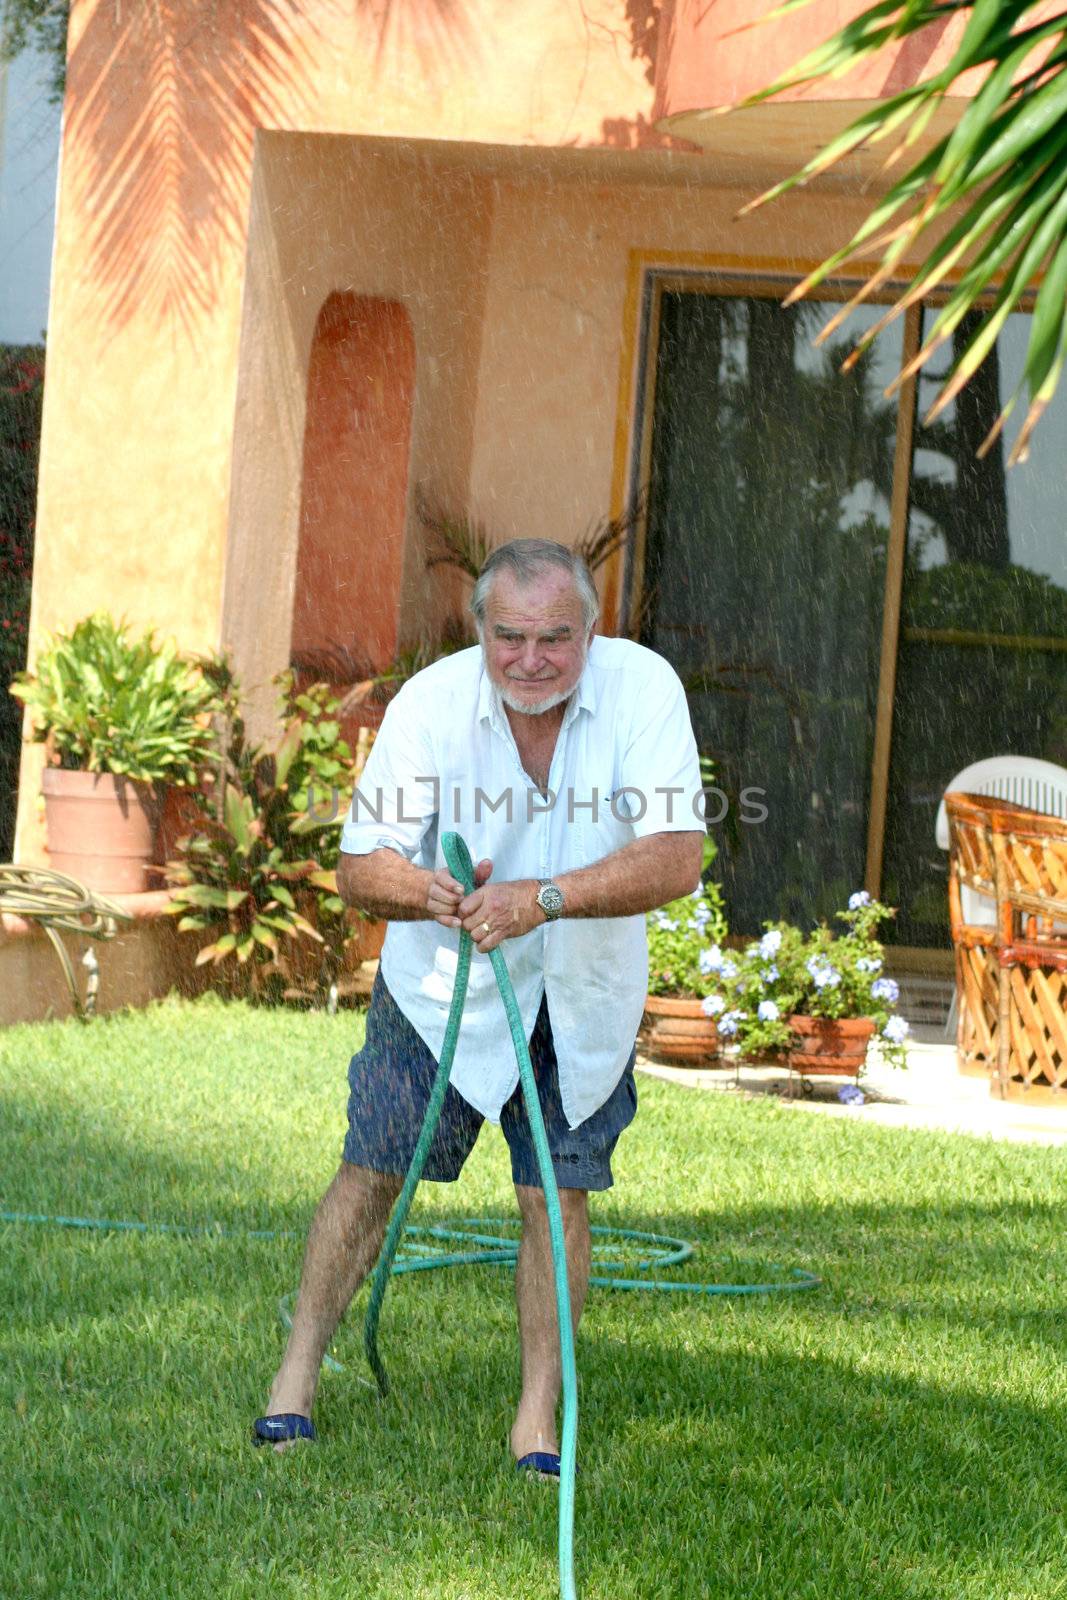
x=573, y=1203
x=362, y=1195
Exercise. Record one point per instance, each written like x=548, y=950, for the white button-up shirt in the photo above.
x=625, y=765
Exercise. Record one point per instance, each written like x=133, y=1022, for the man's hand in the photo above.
x=500, y=911
x=444, y=894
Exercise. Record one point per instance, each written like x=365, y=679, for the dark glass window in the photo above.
x=982, y=664
x=768, y=522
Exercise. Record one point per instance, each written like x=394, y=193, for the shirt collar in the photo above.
x=583, y=697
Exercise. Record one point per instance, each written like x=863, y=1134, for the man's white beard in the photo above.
x=534, y=708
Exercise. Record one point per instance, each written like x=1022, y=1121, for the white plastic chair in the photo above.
x=1026, y=781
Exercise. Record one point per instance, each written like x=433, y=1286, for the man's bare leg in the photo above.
x=343, y=1244
x=535, y=1421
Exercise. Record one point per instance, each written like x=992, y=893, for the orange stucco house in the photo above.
x=315, y=259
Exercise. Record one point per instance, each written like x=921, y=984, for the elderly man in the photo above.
x=568, y=763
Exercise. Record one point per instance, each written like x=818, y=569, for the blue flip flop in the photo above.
x=279, y=1430
x=544, y=1462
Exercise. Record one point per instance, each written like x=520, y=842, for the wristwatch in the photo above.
x=550, y=899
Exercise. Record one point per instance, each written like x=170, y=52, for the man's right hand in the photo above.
x=445, y=893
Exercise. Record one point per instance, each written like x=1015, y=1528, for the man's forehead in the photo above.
x=549, y=600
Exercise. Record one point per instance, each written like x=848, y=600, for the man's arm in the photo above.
x=386, y=884
x=645, y=873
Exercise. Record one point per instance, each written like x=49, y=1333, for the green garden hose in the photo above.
x=462, y=868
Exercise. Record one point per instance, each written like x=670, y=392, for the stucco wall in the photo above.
x=334, y=214
x=152, y=240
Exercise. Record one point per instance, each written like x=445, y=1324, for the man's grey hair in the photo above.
x=526, y=559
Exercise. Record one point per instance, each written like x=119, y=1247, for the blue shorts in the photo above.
x=390, y=1081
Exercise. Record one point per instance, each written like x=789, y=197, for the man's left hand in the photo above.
x=499, y=911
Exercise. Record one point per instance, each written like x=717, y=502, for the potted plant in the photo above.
x=261, y=861
x=813, y=1001
x=121, y=718
x=684, y=940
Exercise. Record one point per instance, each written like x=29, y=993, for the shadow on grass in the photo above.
x=69, y=1165
x=732, y=1467
x=895, y=1435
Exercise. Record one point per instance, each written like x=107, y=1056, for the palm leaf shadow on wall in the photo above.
x=164, y=98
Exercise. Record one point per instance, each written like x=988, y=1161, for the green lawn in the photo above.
x=898, y=1433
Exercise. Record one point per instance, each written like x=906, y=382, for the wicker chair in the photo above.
x=1024, y=780
x=1030, y=853
x=972, y=905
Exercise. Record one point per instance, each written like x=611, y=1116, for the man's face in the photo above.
x=533, y=641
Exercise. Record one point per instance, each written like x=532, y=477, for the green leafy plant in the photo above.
x=753, y=992
x=21, y=392
x=258, y=872
x=39, y=25
x=104, y=701
x=991, y=194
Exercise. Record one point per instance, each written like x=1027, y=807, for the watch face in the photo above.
x=551, y=899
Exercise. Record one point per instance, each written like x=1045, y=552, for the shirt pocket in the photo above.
x=440, y=981
x=607, y=830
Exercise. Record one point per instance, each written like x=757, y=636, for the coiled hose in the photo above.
x=62, y=905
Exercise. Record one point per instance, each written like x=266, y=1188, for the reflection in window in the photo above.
x=768, y=523
x=982, y=665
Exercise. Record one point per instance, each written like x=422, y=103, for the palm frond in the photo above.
x=163, y=101
x=1003, y=163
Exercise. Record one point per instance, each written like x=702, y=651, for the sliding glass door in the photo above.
x=772, y=523
x=982, y=661
x=768, y=517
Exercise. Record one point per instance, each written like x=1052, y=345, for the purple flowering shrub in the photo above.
x=786, y=973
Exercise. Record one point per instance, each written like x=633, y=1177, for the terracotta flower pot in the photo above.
x=831, y=1045
x=101, y=829
x=678, y=1030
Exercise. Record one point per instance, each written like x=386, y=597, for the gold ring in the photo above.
x=486, y=928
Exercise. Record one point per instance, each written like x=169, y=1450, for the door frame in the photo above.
x=650, y=275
